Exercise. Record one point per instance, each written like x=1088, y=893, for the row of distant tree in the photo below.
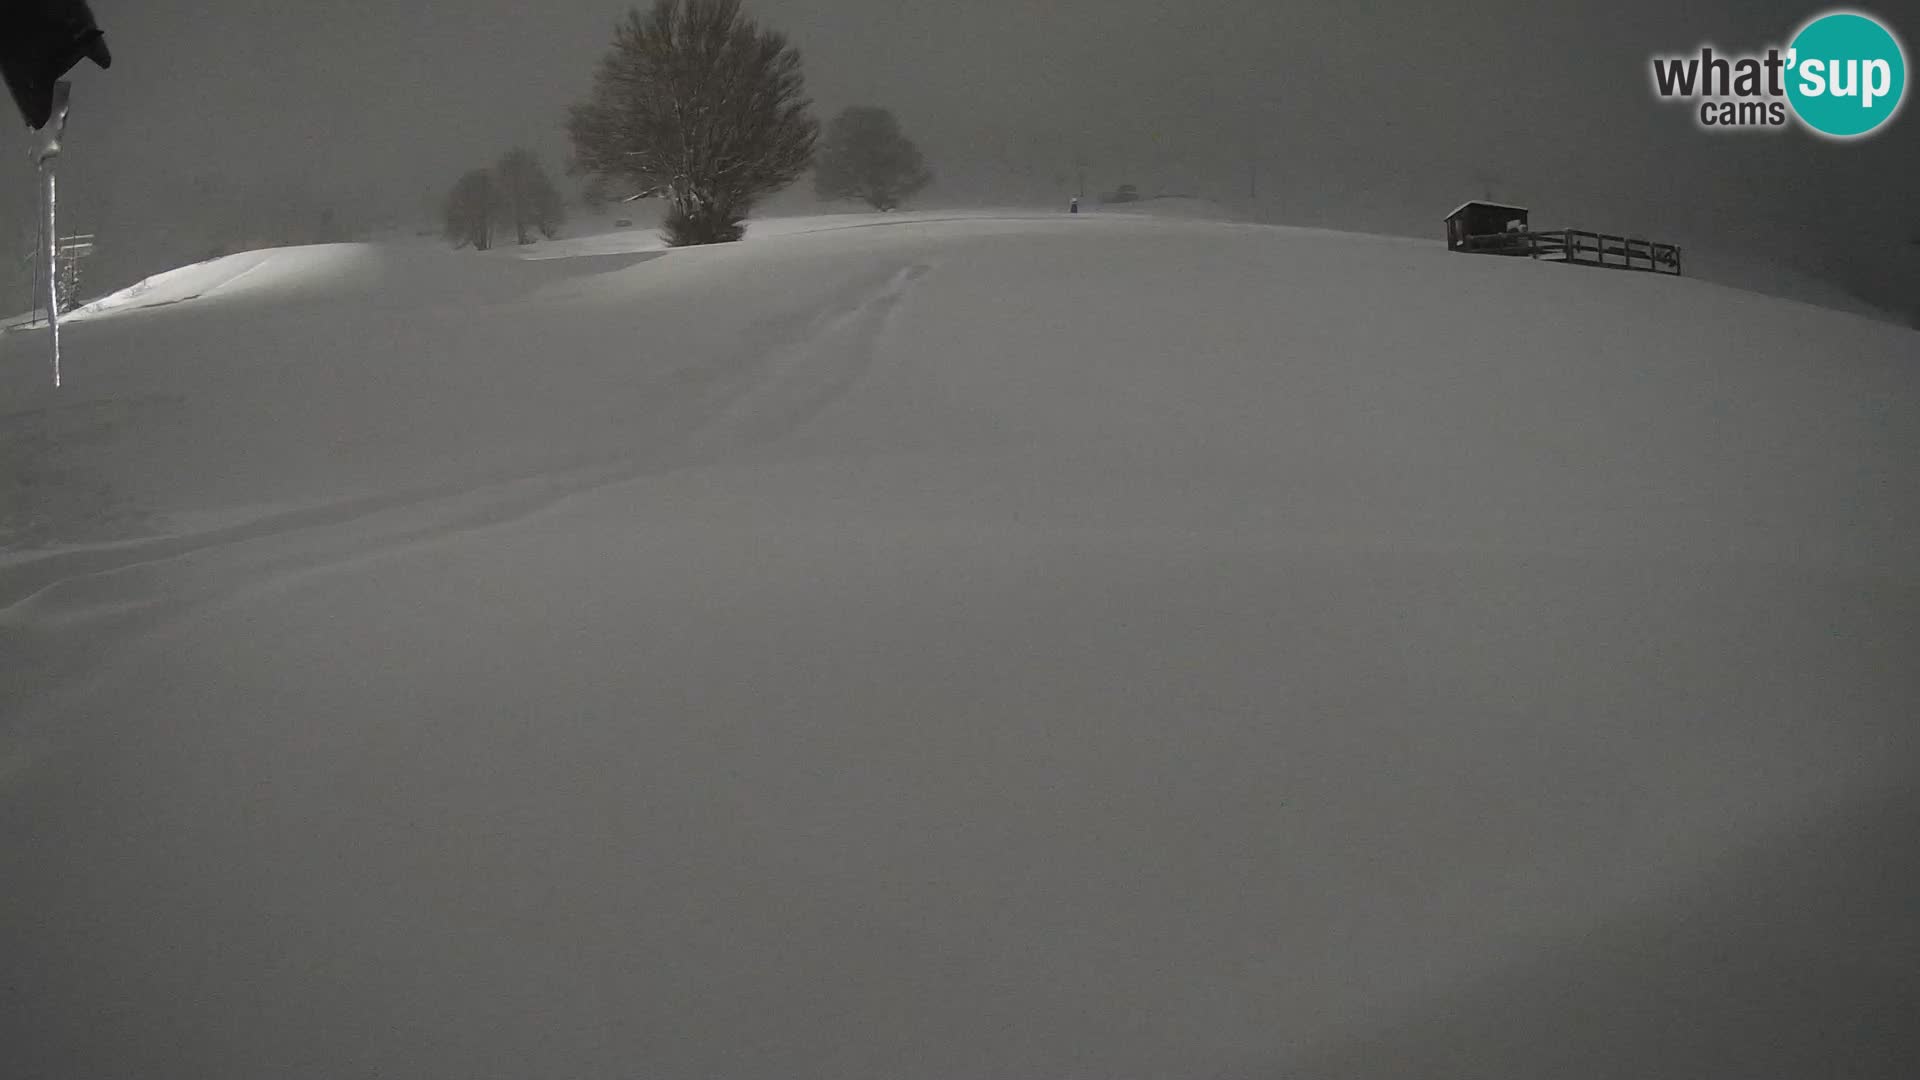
x=699, y=106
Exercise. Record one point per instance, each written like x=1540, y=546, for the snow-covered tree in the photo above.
x=699, y=105
x=864, y=156
x=527, y=197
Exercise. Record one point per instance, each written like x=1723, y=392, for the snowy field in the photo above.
x=959, y=646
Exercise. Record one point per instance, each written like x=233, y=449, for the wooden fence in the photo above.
x=1582, y=248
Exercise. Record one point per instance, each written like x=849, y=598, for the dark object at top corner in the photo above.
x=40, y=41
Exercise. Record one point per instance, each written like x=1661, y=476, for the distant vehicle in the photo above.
x=623, y=223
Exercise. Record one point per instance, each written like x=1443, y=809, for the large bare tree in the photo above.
x=700, y=106
x=865, y=156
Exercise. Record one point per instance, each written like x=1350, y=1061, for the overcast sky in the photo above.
x=1378, y=116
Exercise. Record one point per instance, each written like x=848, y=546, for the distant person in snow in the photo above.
x=1073, y=205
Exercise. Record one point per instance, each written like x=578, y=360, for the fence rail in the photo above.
x=1580, y=247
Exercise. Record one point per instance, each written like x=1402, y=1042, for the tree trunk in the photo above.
x=694, y=219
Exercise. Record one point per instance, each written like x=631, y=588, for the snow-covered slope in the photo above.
x=1169, y=206
x=961, y=645
x=386, y=276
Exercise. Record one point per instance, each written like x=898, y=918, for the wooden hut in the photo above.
x=1479, y=218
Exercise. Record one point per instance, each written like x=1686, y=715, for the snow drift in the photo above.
x=959, y=647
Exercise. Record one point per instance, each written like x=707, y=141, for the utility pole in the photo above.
x=1913, y=279
x=73, y=248
x=1260, y=115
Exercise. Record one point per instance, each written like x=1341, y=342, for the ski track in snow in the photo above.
x=118, y=591
x=805, y=380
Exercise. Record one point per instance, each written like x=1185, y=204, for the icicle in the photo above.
x=53, y=273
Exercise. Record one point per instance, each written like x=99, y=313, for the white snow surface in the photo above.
x=959, y=645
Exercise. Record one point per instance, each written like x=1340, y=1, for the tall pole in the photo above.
x=53, y=271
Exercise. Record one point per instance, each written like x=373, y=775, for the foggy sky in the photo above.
x=1376, y=116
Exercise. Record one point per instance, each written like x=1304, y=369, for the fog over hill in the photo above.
x=231, y=124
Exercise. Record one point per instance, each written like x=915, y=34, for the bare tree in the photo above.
x=864, y=156
x=593, y=194
x=527, y=197
x=698, y=105
x=470, y=210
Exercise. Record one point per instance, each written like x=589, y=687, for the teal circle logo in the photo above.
x=1847, y=75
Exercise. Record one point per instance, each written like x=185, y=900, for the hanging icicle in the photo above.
x=49, y=155
x=53, y=272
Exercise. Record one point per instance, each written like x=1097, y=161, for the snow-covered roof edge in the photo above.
x=1484, y=202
